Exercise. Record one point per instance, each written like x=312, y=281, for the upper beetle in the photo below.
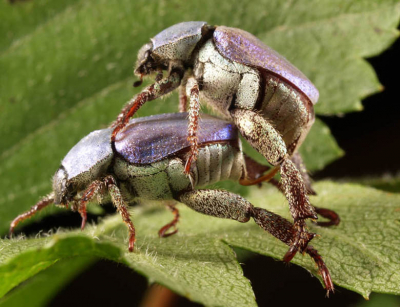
x=268, y=99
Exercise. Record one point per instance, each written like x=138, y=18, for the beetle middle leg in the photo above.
x=162, y=233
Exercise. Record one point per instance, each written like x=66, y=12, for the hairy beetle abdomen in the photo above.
x=218, y=162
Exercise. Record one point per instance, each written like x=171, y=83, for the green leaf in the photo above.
x=40, y=289
x=201, y=267
x=362, y=253
x=319, y=148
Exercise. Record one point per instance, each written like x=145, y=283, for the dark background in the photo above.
x=370, y=139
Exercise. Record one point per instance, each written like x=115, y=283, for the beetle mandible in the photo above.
x=147, y=161
x=268, y=99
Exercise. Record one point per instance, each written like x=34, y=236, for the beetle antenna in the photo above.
x=44, y=202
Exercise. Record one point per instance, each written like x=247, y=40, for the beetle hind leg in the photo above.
x=255, y=176
x=322, y=269
x=263, y=136
x=283, y=230
x=224, y=204
x=162, y=233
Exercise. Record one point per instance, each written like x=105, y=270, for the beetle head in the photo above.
x=146, y=64
x=63, y=192
x=175, y=43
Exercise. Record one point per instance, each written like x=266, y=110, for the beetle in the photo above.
x=147, y=161
x=268, y=99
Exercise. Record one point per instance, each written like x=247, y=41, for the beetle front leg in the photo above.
x=122, y=208
x=152, y=92
x=92, y=190
x=193, y=92
x=263, y=137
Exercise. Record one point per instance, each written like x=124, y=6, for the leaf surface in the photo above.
x=362, y=253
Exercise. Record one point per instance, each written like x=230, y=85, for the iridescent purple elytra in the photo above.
x=150, y=139
x=242, y=47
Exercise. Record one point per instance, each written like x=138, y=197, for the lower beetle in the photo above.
x=268, y=99
x=147, y=161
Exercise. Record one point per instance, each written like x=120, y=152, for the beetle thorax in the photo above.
x=178, y=42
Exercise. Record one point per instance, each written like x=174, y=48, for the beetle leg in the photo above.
x=44, y=202
x=224, y=204
x=298, y=161
x=92, y=190
x=283, y=230
x=334, y=218
x=163, y=231
x=254, y=172
x=154, y=91
x=122, y=208
x=263, y=137
x=254, y=169
x=258, y=180
x=322, y=268
x=194, y=93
